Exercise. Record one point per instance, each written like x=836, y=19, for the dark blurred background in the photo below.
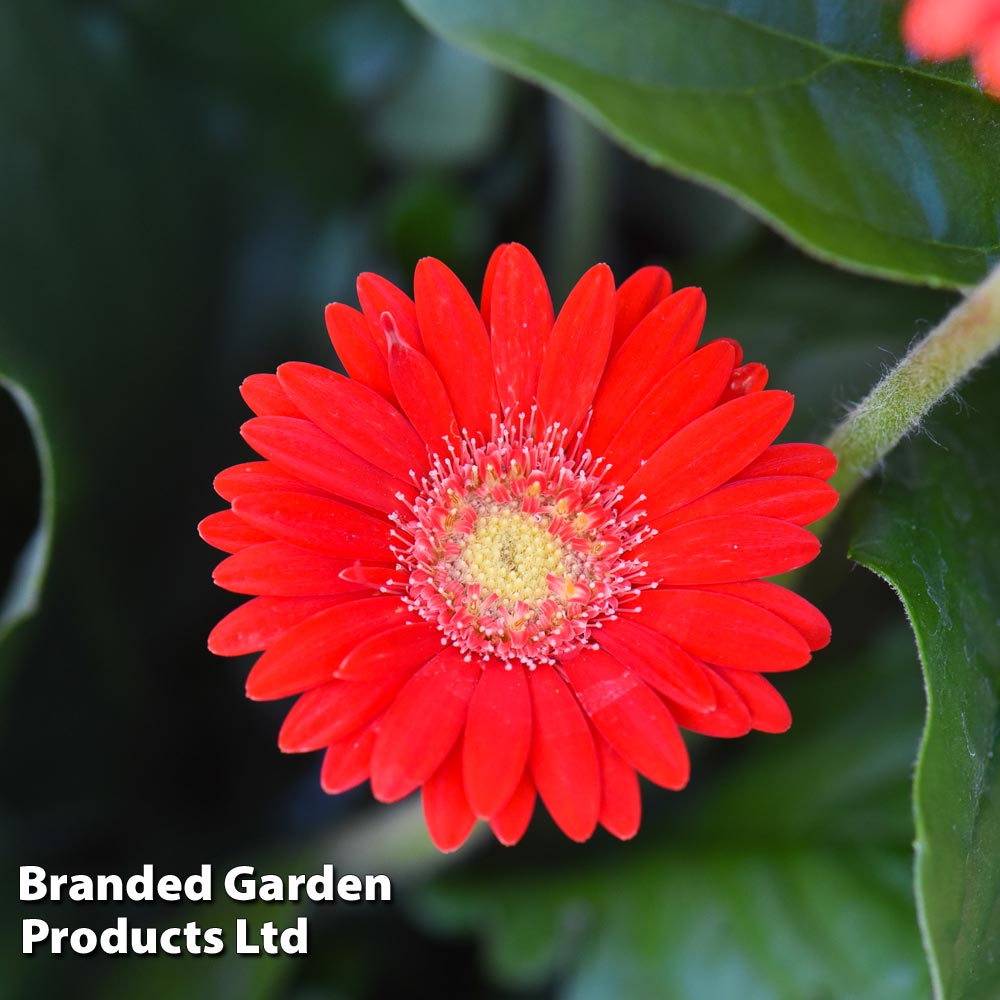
x=183, y=187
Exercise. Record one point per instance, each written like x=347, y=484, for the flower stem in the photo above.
x=932, y=369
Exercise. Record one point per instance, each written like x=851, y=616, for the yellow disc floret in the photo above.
x=517, y=549
x=511, y=554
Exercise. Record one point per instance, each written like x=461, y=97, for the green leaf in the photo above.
x=447, y=112
x=25, y=585
x=807, y=112
x=931, y=532
x=706, y=923
x=787, y=876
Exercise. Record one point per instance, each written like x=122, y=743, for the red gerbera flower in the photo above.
x=941, y=30
x=512, y=555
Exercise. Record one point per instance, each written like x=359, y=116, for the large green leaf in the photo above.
x=932, y=534
x=688, y=925
x=787, y=876
x=808, y=112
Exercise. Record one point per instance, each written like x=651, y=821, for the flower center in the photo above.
x=511, y=555
x=518, y=549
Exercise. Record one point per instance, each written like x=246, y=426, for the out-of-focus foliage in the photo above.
x=809, y=111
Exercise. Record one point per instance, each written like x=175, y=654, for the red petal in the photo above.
x=795, y=610
x=403, y=648
x=793, y=460
x=282, y=570
x=318, y=524
x=509, y=824
x=687, y=392
x=333, y=712
x=257, y=477
x=639, y=295
x=497, y=738
x=356, y=417
x=486, y=300
x=709, y=451
x=377, y=297
x=253, y=626
x=944, y=30
x=456, y=344
x=311, y=653
x=630, y=716
x=356, y=348
x=768, y=711
x=264, y=395
x=422, y=396
x=986, y=54
x=735, y=344
x=577, y=350
x=726, y=548
x=371, y=577
x=662, y=664
x=347, y=761
x=521, y=321
x=423, y=723
x=621, y=804
x=446, y=811
x=224, y=530
x=563, y=759
x=659, y=343
x=303, y=450
x=724, y=630
x=744, y=380
x=729, y=718
x=798, y=499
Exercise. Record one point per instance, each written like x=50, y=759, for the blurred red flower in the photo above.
x=941, y=30
x=513, y=554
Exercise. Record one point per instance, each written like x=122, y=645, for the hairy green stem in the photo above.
x=932, y=369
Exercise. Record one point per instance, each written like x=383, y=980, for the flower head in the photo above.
x=941, y=30
x=513, y=554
